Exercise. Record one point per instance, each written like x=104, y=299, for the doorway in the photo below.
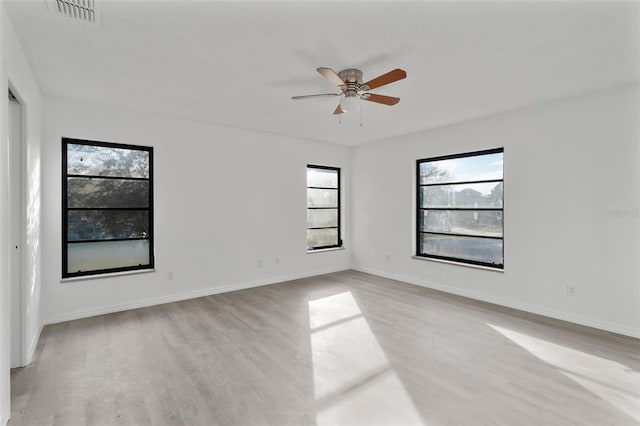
x=15, y=228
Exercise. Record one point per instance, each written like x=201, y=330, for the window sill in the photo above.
x=323, y=250
x=109, y=275
x=451, y=262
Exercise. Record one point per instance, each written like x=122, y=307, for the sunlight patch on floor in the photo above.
x=354, y=382
x=344, y=354
x=615, y=383
x=332, y=309
x=383, y=401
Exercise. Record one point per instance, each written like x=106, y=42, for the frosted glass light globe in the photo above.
x=350, y=103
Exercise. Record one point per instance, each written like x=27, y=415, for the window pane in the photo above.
x=107, y=224
x=322, y=177
x=106, y=161
x=94, y=192
x=469, y=222
x=318, y=218
x=466, y=195
x=484, y=250
x=465, y=169
x=83, y=257
x=322, y=198
x=322, y=237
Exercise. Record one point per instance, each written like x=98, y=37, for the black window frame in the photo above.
x=66, y=209
x=339, y=207
x=419, y=209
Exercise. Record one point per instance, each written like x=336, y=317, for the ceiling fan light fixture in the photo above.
x=350, y=102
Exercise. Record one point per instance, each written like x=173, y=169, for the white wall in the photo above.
x=15, y=71
x=572, y=199
x=225, y=199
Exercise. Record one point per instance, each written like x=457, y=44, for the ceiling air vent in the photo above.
x=82, y=10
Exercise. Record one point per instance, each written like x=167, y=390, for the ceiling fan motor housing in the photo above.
x=353, y=78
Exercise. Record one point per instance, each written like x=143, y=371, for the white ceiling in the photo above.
x=237, y=63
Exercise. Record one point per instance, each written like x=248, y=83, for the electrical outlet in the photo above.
x=571, y=290
x=170, y=275
x=277, y=261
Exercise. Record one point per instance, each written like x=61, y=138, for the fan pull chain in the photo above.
x=360, y=116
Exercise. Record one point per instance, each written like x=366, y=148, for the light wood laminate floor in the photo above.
x=339, y=349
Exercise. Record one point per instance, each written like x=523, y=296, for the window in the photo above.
x=323, y=207
x=460, y=208
x=107, y=207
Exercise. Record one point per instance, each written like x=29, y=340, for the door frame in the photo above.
x=17, y=219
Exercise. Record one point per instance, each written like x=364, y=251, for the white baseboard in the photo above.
x=86, y=313
x=576, y=319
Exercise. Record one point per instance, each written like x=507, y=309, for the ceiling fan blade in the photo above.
x=332, y=76
x=338, y=110
x=322, y=95
x=381, y=99
x=387, y=78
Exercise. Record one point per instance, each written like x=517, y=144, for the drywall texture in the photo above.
x=572, y=198
x=230, y=209
x=16, y=73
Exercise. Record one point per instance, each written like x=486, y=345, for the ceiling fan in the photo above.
x=352, y=89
